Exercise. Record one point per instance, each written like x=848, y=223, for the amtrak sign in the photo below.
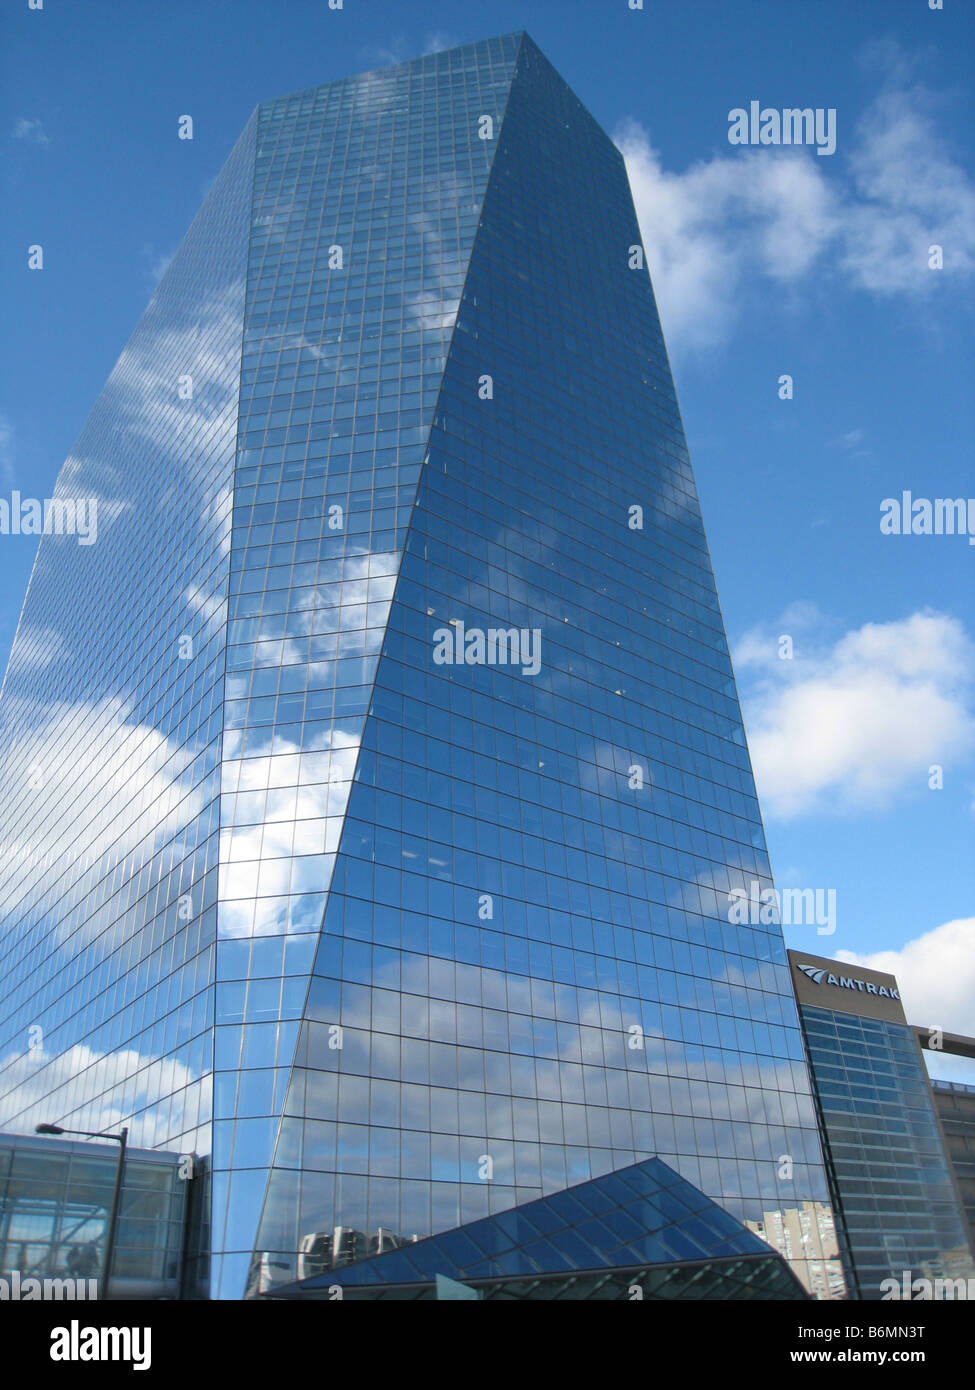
x=821, y=983
x=826, y=977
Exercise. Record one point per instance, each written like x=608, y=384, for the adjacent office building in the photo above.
x=955, y=1103
x=898, y=1206
x=373, y=784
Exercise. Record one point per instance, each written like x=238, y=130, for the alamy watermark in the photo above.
x=19, y=1288
x=458, y=645
x=790, y=126
x=922, y=516
x=792, y=907
x=77, y=1343
x=54, y=516
x=924, y=1290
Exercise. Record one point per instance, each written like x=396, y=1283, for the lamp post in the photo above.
x=121, y=1139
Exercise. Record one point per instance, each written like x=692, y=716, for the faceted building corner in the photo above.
x=374, y=790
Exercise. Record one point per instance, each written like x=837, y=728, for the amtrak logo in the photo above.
x=826, y=977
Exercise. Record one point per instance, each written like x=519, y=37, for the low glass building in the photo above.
x=55, y=1207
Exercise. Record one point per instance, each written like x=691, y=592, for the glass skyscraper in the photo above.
x=374, y=786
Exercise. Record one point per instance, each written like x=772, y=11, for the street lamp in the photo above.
x=121, y=1140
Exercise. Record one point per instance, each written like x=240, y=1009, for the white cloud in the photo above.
x=84, y=1089
x=158, y=261
x=37, y=648
x=289, y=816
x=850, y=723
x=852, y=442
x=936, y=975
x=400, y=49
x=780, y=214
x=757, y=649
x=31, y=130
x=909, y=193
x=108, y=783
x=205, y=346
x=437, y=42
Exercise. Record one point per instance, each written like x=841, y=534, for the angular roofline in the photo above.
x=519, y=34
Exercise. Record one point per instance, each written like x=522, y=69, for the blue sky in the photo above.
x=766, y=261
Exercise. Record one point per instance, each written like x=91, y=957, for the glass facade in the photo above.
x=399, y=940
x=897, y=1204
x=365, y=206
x=111, y=720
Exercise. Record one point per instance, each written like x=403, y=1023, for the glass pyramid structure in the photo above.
x=372, y=789
x=642, y=1232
